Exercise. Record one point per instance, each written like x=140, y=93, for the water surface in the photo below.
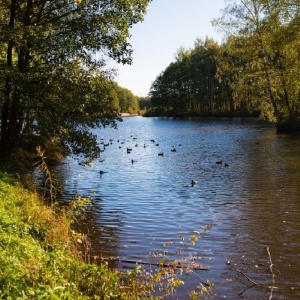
x=147, y=209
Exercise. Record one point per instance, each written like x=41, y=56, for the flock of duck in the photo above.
x=129, y=150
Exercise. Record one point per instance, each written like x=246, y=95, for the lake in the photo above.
x=144, y=207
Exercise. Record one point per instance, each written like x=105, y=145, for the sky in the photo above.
x=167, y=26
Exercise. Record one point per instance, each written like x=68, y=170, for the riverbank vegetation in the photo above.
x=254, y=72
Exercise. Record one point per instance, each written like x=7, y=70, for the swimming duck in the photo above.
x=160, y=154
x=193, y=182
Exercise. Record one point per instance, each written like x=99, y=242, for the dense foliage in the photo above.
x=256, y=69
x=52, y=81
x=189, y=85
x=127, y=100
x=144, y=103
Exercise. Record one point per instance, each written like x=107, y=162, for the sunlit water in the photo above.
x=147, y=210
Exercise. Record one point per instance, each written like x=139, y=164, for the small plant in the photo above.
x=51, y=183
x=202, y=291
x=193, y=239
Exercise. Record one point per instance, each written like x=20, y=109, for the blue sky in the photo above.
x=167, y=26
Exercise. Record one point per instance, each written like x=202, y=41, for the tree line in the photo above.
x=54, y=84
x=255, y=71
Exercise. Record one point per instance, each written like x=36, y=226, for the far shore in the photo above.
x=128, y=115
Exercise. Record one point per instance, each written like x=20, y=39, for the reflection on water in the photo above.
x=147, y=209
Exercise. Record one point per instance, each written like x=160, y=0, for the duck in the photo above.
x=193, y=182
x=101, y=172
x=227, y=164
x=160, y=154
x=173, y=150
x=129, y=150
x=219, y=162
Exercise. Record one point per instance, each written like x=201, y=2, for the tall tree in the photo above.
x=51, y=62
x=268, y=37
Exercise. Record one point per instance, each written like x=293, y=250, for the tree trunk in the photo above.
x=267, y=77
x=8, y=87
x=4, y=135
x=11, y=119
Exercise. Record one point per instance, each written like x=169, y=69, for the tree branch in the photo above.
x=273, y=274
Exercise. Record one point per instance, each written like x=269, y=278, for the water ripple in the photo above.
x=149, y=205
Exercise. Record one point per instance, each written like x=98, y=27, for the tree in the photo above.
x=205, y=86
x=127, y=100
x=165, y=90
x=144, y=103
x=236, y=78
x=52, y=81
x=268, y=37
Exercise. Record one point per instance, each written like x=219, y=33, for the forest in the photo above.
x=254, y=72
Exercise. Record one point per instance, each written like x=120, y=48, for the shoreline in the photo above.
x=129, y=115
